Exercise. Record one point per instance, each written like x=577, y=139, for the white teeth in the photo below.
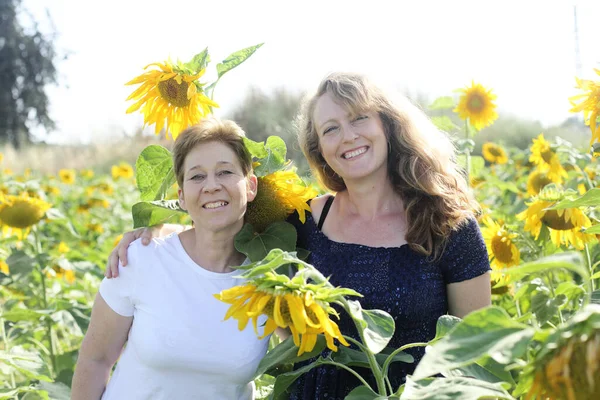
x=216, y=204
x=355, y=153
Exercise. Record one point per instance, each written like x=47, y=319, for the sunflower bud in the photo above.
x=279, y=194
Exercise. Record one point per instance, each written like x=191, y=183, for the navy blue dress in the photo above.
x=397, y=280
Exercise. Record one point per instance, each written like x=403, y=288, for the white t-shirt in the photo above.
x=179, y=347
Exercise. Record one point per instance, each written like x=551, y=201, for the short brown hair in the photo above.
x=210, y=130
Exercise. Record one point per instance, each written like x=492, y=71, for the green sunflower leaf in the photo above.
x=572, y=261
x=591, y=198
x=199, y=62
x=154, y=173
x=364, y=393
x=489, y=332
x=593, y=229
x=452, y=388
x=287, y=352
x=275, y=159
x=444, y=123
x=235, y=59
x=442, y=103
x=279, y=235
x=377, y=326
x=150, y=213
x=256, y=149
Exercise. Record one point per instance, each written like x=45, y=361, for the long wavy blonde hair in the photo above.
x=421, y=160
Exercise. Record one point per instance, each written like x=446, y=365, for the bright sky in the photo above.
x=524, y=50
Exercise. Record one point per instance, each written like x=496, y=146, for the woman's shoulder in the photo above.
x=317, y=204
x=137, y=251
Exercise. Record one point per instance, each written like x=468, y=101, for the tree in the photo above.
x=26, y=68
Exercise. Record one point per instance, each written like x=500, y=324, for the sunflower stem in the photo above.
x=590, y=266
x=548, y=276
x=7, y=350
x=389, y=359
x=48, y=323
x=356, y=342
x=375, y=368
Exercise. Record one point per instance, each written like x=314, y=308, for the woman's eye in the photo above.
x=361, y=117
x=225, y=172
x=197, y=177
x=329, y=129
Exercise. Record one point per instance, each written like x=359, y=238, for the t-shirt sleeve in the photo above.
x=118, y=292
x=465, y=256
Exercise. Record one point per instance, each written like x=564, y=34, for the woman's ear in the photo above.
x=252, y=187
x=181, y=200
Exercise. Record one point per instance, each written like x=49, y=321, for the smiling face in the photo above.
x=215, y=191
x=354, y=146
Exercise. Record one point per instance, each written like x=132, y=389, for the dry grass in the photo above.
x=49, y=159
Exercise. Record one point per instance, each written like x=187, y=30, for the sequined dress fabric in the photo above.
x=397, y=280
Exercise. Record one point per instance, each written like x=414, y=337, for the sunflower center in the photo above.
x=501, y=246
x=553, y=221
x=495, y=151
x=539, y=181
x=22, y=214
x=547, y=155
x=173, y=92
x=476, y=103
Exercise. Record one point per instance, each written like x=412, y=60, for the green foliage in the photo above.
x=154, y=173
x=279, y=235
x=150, y=213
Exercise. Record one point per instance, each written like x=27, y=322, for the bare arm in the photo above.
x=470, y=295
x=120, y=251
x=101, y=347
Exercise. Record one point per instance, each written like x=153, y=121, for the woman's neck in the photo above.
x=213, y=251
x=370, y=199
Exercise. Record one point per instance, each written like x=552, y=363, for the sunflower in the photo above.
x=565, y=225
x=568, y=366
x=96, y=202
x=1, y=157
x=171, y=95
x=67, y=176
x=117, y=240
x=19, y=213
x=123, y=170
x=537, y=180
x=294, y=309
x=546, y=159
x=476, y=104
x=279, y=194
x=589, y=103
x=51, y=190
x=501, y=247
x=4, y=268
x=63, y=248
x=61, y=273
x=86, y=173
x=303, y=307
x=95, y=227
x=494, y=153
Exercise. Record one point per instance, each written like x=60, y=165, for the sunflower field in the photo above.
x=539, y=340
